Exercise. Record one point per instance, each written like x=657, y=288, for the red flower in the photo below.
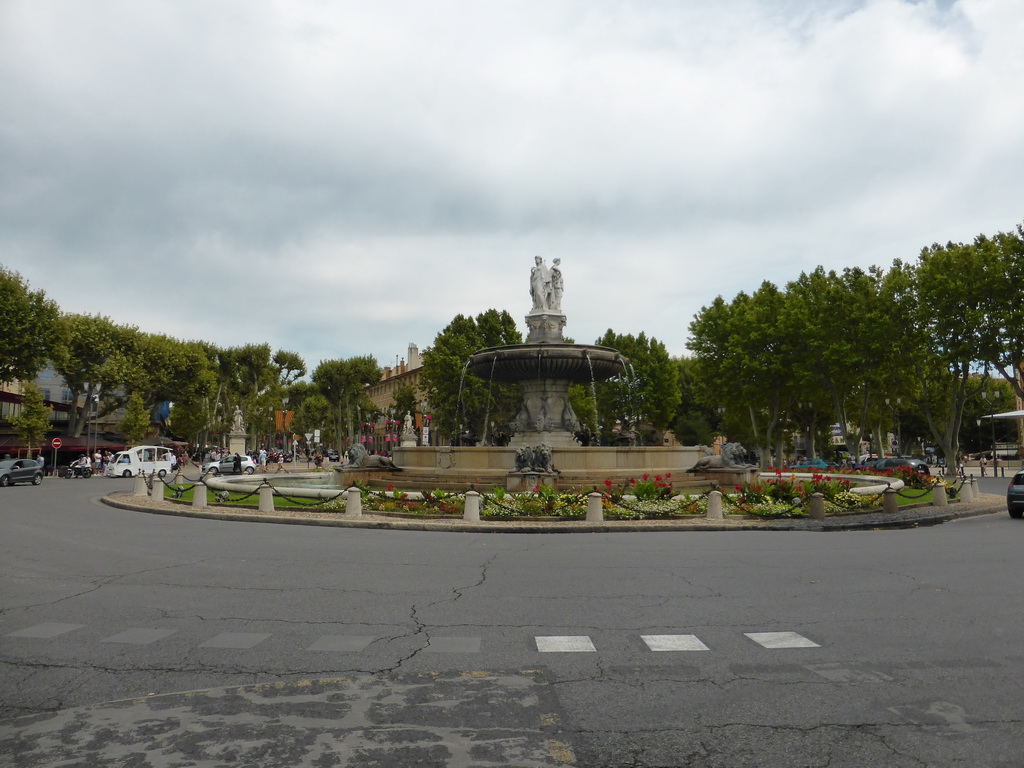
x=646, y=476
x=391, y=487
x=668, y=474
x=536, y=489
x=657, y=478
x=738, y=487
x=608, y=483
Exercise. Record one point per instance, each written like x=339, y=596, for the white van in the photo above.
x=141, y=458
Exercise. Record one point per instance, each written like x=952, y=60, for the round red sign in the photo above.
x=56, y=443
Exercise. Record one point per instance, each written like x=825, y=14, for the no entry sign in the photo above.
x=56, y=443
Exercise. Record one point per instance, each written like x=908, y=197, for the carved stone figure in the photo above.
x=539, y=281
x=360, y=458
x=556, y=287
x=542, y=459
x=237, y=425
x=731, y=458
x=524, y=459
x=536, y=459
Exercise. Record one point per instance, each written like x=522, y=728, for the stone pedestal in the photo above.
x=236, y=441
x=524, y=482
x=408, y=438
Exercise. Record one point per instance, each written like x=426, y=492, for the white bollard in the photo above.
x=965, y=492
x=266, y=498
x=890, y=504
x=140, y=489
x=975, y=488
x=354, y=503
x=472, y=511
x=939, y=494
x=817, y=506
x=595, y=507
x=715, y=506
x=156, y=488
x=199, y=496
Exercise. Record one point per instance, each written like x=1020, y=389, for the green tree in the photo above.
x=344, y=382
x=744, y=364
x=849, y=349
x=33, y=421
x=648, y=393
x=30, y=328
x=136, y=421
x=693, y=423
x=1001, y=261
x=405, y=400
x=945, y=305
x=458, y=400
x=87, y=344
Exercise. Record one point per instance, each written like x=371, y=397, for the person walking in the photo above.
x=983, y=462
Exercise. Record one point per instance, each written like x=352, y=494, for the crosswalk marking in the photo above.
x=565, y=644
x=674, y=643
x=238, y=640
x=439, y=644
x=139, y=636
x=52, y=629
x=452, y=644
x=776, y=640
x=344, y=643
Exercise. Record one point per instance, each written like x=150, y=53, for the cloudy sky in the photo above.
x=344, y=177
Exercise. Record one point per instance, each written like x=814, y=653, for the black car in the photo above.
x=894, y=462
x=20, y=471
x=332, y=455
x=1015, y=496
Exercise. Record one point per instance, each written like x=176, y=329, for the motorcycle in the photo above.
x=83, y=472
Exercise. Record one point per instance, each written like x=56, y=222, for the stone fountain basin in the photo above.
x=578, y=363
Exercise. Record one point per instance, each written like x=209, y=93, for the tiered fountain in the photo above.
x=544, y=367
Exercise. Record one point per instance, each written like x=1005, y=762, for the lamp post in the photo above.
x=284, y=428
x=995, y=457
x=896, y=424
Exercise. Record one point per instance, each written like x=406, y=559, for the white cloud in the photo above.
x=343, y=178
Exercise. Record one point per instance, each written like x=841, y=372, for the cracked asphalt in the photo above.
x=130, y=640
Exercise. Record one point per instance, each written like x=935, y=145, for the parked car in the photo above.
x=20, y=471
x=1015, y=495
x=226, y=466
x=866, y=464
x=893, y=462
x=811, y=465
x=332, y=455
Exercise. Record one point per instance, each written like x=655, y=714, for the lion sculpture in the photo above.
x=360, y=458
x=731, y=458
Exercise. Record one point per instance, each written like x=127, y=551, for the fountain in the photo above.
x=545, y=367
x=543, y=450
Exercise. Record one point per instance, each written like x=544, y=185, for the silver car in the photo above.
x=226, y=466
x=20, y=471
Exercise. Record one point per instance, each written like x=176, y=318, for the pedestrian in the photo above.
x=982, y=462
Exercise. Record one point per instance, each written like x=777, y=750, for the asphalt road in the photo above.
x=129, y=639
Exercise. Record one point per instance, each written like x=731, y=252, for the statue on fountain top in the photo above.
x=546, y=286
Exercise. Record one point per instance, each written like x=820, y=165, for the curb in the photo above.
x=868, y=521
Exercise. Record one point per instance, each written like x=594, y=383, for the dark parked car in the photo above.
x=811, y=465
x=893, y=462
x=20, y=471
x=1015, y=496
x=333, y=455
x=867, y=464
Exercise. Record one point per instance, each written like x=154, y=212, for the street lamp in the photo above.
x=995, y=456
x=896, y=424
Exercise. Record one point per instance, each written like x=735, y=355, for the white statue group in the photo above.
x=546, y=286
